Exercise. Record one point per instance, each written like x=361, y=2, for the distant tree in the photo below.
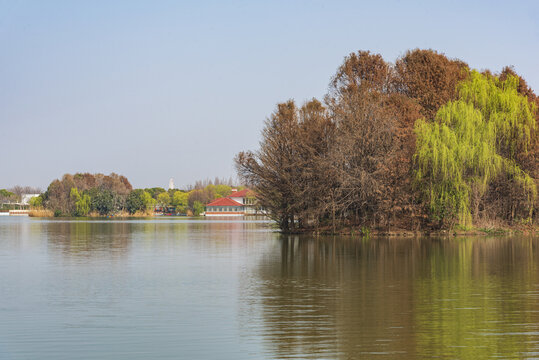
x=75, y=197
x=83, y=205
x=198, y=208
x=135, y=201
x=20, y=190
x=7, y=196
x=163, y=199
x=36, y=201
x=81, y=202
x=103, y=202
x=58, y=194
x=204, y=196
x=154, y=192
x=148, y=200
x=222, y=190
x=181, y=201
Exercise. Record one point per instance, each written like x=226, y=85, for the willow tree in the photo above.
x=472, y=141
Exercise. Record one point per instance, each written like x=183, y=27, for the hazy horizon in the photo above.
x=154, y=90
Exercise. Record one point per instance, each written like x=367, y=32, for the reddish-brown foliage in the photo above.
x=350, y=162
x=428, y=77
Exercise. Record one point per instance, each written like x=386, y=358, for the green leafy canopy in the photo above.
x=471, y=141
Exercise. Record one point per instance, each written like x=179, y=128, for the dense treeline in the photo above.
x=422, y=143
x=84, y=194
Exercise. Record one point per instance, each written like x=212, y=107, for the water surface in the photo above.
x=236, y=289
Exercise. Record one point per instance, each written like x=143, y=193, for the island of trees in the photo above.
x=85, y=194
x=426, y=143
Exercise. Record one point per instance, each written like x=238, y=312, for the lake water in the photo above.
x=218, y=289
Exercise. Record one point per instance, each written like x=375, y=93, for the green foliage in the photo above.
x=135, y=201
x=57, y=213
x=103, y=202
x=83, y=205
x=148, y=200
x=36, y=201
x=471, y=141
x=222, y=190
x=163, y=199
x=6, y=194
x=82, y=202
x=154, y=192
x=198, y=208
x=180, y=200
x=74, y=194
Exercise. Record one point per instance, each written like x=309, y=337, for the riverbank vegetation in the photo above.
x=423, y=144
x=96, y=195
x=11, y=198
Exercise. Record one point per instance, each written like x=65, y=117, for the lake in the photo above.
x=174, y=288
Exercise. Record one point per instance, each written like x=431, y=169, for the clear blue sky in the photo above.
x=160, y=89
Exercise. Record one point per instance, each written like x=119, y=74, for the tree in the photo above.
x=205, y=196
x=350, y=162
x=148, y=200
x=7, y=196
x=36, y=201
x=163, y=199
x=273, y=169
x=154, y=192
x=81, y=202
x=135, y=201
x=314, y=181
x=428, y=77
x=471, y=142
x=58, y=194
x=20, y=190
x=198, y=208
x=222, y=190
x=180, y=200
x=103, y=202
x=83, y=205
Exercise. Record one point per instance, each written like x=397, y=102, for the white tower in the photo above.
x=171, y=184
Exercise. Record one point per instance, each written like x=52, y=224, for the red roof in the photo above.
x=242, y=193
x=224, y=202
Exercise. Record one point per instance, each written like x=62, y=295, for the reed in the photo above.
x=41, y=213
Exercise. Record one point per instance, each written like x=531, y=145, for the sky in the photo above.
x=159, y=89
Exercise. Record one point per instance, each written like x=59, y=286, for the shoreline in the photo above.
x=494, y=231
x=485, y=231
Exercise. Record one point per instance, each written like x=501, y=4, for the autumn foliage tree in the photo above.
x=349, y=162
x=104, y=193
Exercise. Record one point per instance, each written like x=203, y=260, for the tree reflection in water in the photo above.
x=467, y=298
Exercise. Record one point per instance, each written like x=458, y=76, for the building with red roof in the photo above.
x=238, y=203
x=225, y=207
